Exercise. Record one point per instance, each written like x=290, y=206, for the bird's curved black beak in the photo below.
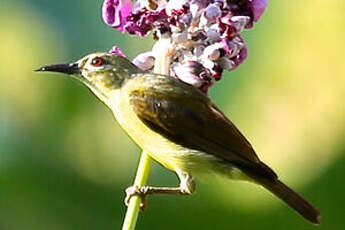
x=70, y=68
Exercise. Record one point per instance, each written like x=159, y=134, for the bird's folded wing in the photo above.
x=194, y=122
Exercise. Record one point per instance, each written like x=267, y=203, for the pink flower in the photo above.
x=116, y=50
x=258, y=7
x=205, y=34
x=115, y=13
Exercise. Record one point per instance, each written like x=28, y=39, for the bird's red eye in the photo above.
x=97, y=62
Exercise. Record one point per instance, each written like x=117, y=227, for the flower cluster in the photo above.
x=205, y=35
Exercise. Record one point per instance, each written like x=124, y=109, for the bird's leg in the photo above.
x=187, y=187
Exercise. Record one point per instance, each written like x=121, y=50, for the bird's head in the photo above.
x=101, y=72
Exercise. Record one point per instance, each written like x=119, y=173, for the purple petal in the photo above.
x=143, y=21
x=258, y=7
x=240, y=57
x=192, y=73
x=236, y=51
x=226, y=26
x=144, y=61
x=212, y=12
x=240, y=22
x=115, y=13
x=230, y=47
x=116, y=50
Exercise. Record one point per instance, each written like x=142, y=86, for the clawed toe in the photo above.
x=130, y=192
x=139, y=191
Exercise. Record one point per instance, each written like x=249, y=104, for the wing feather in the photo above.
x=187, y=117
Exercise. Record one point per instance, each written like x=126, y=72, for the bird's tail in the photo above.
x=265, y=176
x=290, y=197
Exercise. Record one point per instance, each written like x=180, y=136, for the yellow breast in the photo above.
x=169, y=154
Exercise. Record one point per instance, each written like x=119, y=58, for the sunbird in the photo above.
x=178, y=126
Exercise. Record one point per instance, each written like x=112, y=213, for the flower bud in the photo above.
x=191, y=72
x=258, y=7
x=213, y=35
x=240, y=22
x=116, y=50
x=212, y=12
x=232, y=47
x=144, y=61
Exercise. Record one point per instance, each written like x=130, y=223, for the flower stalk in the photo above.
x=161, y=52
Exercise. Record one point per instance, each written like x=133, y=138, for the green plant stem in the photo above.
x=162, y=62
x=140, y=180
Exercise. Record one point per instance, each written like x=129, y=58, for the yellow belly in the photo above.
x=169, y=154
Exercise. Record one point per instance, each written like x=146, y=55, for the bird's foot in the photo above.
x=187, y=187
x=137, y=191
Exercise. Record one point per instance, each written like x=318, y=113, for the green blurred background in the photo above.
x=64, y=162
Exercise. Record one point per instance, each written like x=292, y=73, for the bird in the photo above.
x=178, y=126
